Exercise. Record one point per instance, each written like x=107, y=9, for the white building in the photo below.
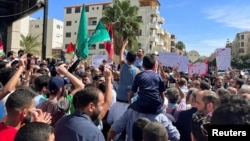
x=34, y=27
x=152, y=36
x=54, y=33
x=18, y=27
x=72, y=18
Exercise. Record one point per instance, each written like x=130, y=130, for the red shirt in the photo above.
x=7, y=133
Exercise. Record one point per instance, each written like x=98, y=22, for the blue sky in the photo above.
x=202, y=25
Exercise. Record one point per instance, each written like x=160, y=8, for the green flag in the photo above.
x=101, y=34
x=82, y=36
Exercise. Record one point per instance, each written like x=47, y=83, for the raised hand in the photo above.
x=107, y=73
x=40, y=116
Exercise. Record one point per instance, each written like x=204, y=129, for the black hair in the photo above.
x=149, y=61
x=204, y=85
x=6, y=74
x=83, y=97
x=10, y=53
x=19, y=99
x=34, y=131
x=2, y=64
x=137, y=129
x=234, y=110
x=41, y=81
x=131, y=56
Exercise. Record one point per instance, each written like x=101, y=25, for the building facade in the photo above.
x=241, y=44
x=54, y=34
x=71, y=23
x=152, y=36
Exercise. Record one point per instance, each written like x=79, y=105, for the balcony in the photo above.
x=154, y=26
x=160, y=31
x=155, y=12
x=153, y=39
x=160, y=20
x=160, y=43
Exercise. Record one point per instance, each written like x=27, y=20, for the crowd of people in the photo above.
x=139, y=100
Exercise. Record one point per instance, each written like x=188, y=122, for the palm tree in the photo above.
x=180, y=46
x=30, y=44
x=126, y=24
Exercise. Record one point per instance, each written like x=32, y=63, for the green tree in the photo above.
x=180, y=45
x=30, y=44
x=126, y=24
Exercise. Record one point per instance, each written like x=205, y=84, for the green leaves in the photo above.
x=126, y=23
x=30, y=44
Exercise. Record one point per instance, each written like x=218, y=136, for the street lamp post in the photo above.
x=44, y=38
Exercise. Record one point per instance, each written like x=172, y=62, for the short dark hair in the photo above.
x=155, y=131
x=42, y=72
x=6, y=74
x=234, y=110
x=19, y=99
x=20, y=53
x=131, y=56
x=83, y=97
x=10, y=53
x=148, y=61
x=204, y=85
x=41, y=81
x=2, y=64
x=239, y=82
x=173, y=95
x=34, y=131
x=138, y=126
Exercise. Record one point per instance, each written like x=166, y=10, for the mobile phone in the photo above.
x=28, y=65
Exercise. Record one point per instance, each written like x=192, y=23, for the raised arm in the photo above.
x=124, y=44
x=15, y=79
x=108, y=92
x=78, y=85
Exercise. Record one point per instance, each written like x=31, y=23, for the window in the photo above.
x=93, y=23
x=75, y=21
x=242, y=44
x=87, y=8
x=92, y=47
x=241, y=50
x=68, y=34
x=77, y=9
x=68, y=23
x=139, y=45
x=242, y=37
x=58, y=26
x=68, y=10
x=139, y=17
x=101, y=46
x=66, y=45
x=36, y=26
x=97, y=8
x=139, y=32
x=93, y=8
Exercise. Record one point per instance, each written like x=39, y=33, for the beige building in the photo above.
x=34, y=27
x=17, y=28
x=241, y=44
x=152, y=36
x=71, y=23
x=54, y=34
